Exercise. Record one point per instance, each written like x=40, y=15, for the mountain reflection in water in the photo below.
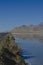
x=30, y=36
x=32, y=48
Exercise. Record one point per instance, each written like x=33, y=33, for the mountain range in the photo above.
x=28, y=29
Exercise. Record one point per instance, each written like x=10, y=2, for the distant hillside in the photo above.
x=28, y=29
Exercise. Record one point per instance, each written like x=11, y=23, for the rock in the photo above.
x=9, y=51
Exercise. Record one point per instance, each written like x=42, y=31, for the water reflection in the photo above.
x=30, y=36
x=26, y=56
x=32, y=49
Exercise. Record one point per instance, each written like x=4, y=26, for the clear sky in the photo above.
x=20, y=12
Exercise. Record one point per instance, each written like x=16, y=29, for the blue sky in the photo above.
x=20, y=12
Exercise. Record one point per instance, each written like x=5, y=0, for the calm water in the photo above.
x=32, y=48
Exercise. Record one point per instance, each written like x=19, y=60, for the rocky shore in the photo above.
x=9, y=51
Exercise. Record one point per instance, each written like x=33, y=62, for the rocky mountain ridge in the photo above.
x=28, y=29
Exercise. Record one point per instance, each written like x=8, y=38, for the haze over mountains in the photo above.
x=29, y=29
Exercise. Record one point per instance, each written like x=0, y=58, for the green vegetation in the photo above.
x=9, y=51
